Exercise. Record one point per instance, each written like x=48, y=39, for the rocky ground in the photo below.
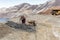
x=47, y=28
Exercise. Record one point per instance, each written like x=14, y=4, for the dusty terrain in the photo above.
x=47, y=28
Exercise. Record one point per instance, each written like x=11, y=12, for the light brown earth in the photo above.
x=48, y=28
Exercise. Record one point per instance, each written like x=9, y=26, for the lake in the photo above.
x=4, y=20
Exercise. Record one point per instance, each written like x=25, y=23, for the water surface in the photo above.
x=4, y=20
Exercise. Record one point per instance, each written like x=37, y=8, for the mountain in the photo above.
x=17, y=9
x=57, y=3
x=52, y=5
x=26, y=8
x=22, y=7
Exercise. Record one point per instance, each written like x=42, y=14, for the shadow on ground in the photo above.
x=24, y=27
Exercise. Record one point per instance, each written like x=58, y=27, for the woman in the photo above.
x=23, y=19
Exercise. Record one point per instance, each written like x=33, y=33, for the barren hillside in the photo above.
x=48, y=28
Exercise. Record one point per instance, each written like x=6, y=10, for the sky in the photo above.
x=8, y=3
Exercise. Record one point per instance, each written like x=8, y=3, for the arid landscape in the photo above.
x=47, y=25
x=47, y=28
